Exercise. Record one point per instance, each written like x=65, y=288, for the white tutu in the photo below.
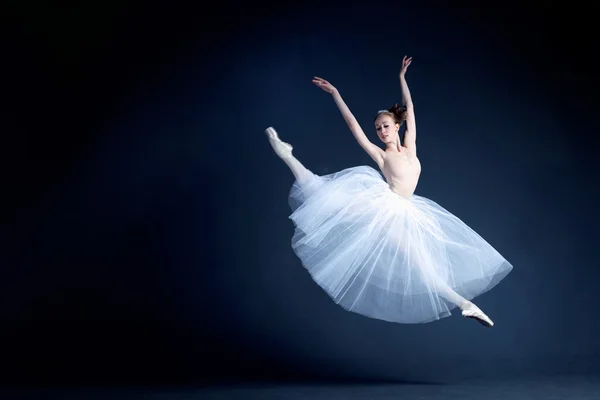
x=384, y=256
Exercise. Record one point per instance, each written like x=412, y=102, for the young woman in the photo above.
x=373, y=245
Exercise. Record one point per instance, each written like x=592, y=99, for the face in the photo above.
x=386, y=128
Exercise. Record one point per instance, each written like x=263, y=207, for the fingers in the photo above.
x=322, y=83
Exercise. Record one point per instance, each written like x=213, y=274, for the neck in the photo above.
x=392, y=146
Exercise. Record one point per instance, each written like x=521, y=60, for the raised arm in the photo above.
x=375, y=152
x=410, y=134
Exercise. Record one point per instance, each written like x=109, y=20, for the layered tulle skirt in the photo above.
x=384, y=256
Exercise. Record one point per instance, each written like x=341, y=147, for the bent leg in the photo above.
x=421, y=258
x=441, y=287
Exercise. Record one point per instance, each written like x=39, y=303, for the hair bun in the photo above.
x=399, y=112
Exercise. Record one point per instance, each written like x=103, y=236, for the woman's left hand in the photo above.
x=405, y=63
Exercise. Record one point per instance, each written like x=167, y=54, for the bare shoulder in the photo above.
x=406, y=157
x=410, y=153
x=376, y=153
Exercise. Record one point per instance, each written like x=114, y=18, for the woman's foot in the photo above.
x=282, y=149
x=470, y=310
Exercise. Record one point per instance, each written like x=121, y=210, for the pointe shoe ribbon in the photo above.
x=472, y=311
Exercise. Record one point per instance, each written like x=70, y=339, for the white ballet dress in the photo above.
x=385, y=256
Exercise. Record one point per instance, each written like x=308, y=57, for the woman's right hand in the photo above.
x=323, y=84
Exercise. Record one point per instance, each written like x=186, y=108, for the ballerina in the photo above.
x=372, y=244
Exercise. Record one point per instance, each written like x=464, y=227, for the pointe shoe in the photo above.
x=472, y=311
x=282, y=149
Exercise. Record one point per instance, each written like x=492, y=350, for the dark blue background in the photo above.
x=145, y=231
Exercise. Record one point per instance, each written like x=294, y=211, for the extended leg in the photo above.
x=469, y=309
x=284, y=151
